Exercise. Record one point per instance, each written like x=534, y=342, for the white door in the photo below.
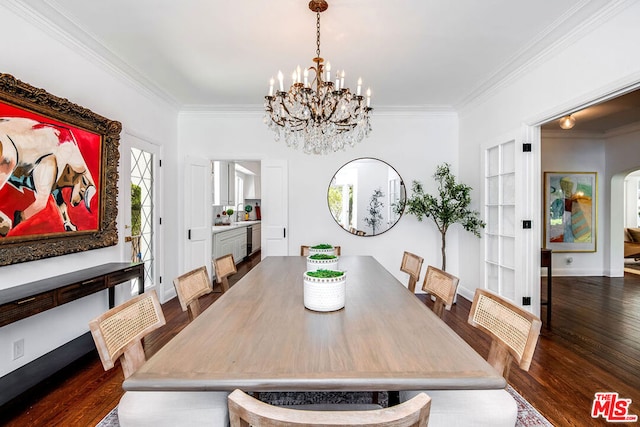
x=275, y=208
x=140, y=165
x=511, y=237
x=197, y=214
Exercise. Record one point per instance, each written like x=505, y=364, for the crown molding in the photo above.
x=418, y=110
x=223, y=108
x=219, y=111
x=589, y=14
x=46, y=15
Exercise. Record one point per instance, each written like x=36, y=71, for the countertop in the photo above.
x=221, y=228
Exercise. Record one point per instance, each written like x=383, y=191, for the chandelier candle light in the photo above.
x=321, y=115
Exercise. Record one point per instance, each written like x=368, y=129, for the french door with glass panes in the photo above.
x=511, y=245
x=140, y=164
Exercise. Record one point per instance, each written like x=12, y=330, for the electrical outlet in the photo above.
x=18, y=349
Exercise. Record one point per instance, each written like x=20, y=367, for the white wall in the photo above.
x=413, y=143
x=593, y=61
x=631, y=201
x=578, y=155
x=621, y=158
x=32, y=55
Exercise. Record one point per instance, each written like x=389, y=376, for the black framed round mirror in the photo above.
x=363, y=196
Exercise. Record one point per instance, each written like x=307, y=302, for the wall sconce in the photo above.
x=567, y=122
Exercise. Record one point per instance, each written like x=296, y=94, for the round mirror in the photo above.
x=363, y=196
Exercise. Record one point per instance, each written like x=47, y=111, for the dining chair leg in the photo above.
x=394, y=398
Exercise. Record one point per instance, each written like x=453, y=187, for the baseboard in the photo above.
x=22, y=379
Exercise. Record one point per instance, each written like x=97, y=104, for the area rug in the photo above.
x=528, y=416
x=632, y=267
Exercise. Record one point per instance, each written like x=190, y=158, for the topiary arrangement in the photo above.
x=322, y=246
x=325, y=274
x=322, y=256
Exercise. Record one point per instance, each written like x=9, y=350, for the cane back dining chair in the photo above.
x=245, y=410
x=514, y=334
x=190, y=287
x=304, y=250
x=442, y=286
x=118, y=334
x=225, y=266
x=411, y=264
x=513, y=330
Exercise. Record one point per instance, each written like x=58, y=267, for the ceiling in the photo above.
x=412, y=53
x=603, y=117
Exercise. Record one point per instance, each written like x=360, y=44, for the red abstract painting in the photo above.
x=49, y=176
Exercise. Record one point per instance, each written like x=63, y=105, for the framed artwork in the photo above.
x=58, y=175
x=570, y=211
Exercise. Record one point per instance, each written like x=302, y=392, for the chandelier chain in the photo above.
x=318, y=35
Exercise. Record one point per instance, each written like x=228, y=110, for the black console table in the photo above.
x=32, y=298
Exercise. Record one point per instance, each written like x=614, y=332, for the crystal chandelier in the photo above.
x=321, y=115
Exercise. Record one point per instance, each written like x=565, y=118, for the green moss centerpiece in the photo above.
x=324, y=290
x=322, y=248
x=322, y=262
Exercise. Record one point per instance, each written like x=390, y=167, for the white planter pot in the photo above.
x=324, y=294
x=322, y=264
x=330, y=251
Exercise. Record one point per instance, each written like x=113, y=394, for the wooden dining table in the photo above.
x=258, y=336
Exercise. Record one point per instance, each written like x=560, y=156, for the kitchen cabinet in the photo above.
x=252, y=187
x=256, y=237
x=224, y=183
x=233, y=241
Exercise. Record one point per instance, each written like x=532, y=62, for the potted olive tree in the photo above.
x=375, y=210
x=449, y=207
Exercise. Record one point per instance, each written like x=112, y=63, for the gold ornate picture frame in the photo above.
x=58, y=175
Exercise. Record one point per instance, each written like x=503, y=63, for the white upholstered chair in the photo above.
x=225, y=266
x=442, y=286
x=245, y=410
x=514, y=333
x=411, y=264
x=304, y=250
x=464, y=408
x=190, y=287
x=118, y=334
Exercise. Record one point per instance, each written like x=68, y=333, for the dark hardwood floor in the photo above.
x=593, y=345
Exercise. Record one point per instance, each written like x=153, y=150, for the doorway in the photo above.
x=140, y=165
x=603, y=137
